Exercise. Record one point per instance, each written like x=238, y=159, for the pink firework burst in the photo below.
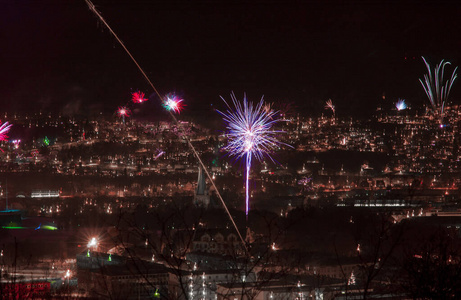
x=4, y=130
x=123, y=111
x=138, y=97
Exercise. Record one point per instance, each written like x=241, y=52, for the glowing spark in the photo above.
x=250, y=134
x=173, y=103
x=436, y=89
x=4, y=130
x=401, y=105
x=329, y=105
x=138, y=97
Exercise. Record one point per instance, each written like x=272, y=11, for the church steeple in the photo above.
x=201, y=184
x=201, y=197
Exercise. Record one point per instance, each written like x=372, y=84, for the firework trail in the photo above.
x=138, y=97
x=173, y=103
x=250, y=134
x=95, y=11
x=329, y=105
x=4, y=130
x=436, y=89
x=401, y=105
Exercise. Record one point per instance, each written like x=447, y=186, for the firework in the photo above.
x=4, y=130
x=173, y=103
x=283, y=108
x=268, y=107
x=401, y=105
x=437, y=90
x=329, y=105
x=159, y=154
x=138, y=97
x=304, y=180
x=123, y=112
x=250, y=134
x=94, y=10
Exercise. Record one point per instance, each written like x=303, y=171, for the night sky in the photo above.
x=56, y=55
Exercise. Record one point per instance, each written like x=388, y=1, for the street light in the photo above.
x=67, y=276
x=93, y=243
